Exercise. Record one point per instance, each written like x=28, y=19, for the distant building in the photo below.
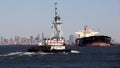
x=43, y=37
x=1, y=40
x=71, y=39
x=38, y=37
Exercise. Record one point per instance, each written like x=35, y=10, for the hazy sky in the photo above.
x=31, y=17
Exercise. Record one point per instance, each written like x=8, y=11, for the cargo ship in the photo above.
x=57, y=42
x=89, y=37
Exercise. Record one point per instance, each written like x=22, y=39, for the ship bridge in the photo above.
x=86, y=33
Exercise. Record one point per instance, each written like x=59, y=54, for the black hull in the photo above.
x=47, y=49
x=94, y=41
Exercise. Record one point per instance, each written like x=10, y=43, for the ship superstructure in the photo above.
x=57, y=38
x=86, y=33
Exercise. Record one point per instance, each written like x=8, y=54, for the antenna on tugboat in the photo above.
x=55, y=8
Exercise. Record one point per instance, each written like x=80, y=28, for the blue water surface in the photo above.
x=81, y=57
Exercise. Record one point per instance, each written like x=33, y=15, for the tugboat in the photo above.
x=91, y=38
x=57, y=42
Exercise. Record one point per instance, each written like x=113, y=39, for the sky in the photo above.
x=31, y=17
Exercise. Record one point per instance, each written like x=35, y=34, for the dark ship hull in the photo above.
x=50, y=48
x=94, y=41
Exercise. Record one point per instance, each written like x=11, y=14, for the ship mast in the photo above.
x=57, y=25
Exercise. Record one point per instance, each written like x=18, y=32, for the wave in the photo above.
x=24, y=53
x=74, y=51
x=32, y=53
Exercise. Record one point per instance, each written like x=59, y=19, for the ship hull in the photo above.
x=49, y=49
x=94, y=41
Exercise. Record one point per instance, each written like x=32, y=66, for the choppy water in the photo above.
x=81, y=57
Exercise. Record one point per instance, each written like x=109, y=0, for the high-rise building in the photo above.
x=38, y=37
x=43, y=37
x=71, y=39
x=1, y=40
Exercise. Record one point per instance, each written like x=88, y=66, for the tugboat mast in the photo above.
x=55, y=9
x=57, y=23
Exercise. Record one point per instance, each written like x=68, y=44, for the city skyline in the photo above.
x=26, y=18
x=31, y=40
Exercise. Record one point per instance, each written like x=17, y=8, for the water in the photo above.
x=81, y=57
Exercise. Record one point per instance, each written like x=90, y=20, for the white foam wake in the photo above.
x=24, y=53
x=74, y=51
x=32, y=53
x=16, y=53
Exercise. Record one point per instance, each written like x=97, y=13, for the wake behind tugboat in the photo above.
x=57, y=42
x=36, y=53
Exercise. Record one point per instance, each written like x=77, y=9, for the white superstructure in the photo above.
x=86, y=33
x=57, y=38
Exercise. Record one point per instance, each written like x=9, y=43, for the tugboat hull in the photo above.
x=51, y=48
